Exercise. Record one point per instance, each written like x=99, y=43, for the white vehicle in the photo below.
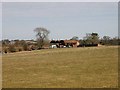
x=53, y=46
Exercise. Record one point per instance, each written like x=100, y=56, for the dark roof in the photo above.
x=64, y=41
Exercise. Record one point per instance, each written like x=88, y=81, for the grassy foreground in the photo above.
x=93, y=67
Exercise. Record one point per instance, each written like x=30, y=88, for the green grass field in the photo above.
x=93, y=67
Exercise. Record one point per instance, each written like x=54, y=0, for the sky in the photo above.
x=63, y=19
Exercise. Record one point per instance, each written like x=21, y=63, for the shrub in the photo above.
x=12, y=48
x=5, y=51
x=25, y=47
x=19, y=49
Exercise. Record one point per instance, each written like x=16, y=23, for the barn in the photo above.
x=64, y=43
x=72, y=43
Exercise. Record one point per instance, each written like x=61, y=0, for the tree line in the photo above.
x=93, y=39
x=42, y=41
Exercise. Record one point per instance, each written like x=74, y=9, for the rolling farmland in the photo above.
x=89, y=67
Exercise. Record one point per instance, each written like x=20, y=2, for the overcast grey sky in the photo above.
x=64, y=20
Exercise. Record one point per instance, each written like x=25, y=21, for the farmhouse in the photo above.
x=73, y=43
x=64, y=43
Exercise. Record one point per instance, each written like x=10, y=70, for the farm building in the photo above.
x=73, y=43
x=64, y=43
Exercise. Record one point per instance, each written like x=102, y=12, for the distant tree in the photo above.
x=74, y=38
x=82, y=43
x=22, y=42
x=87, y=39
x=47, y=42
x=95, y=38
x=11, y=48
x=115, y=41
x=25, y=46
x=5, y=49
x=41, y=35
x=105, y=40
x=17, y=43
x=5, y=42
x=19, y=49
x=22, y=45
x=91, y=39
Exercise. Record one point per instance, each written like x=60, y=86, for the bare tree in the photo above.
x=41, y=35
